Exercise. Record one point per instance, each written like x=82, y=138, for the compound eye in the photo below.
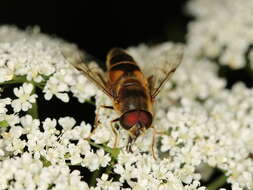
x=131, y=118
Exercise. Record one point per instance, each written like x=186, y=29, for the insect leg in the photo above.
x=115, y=131
x=107, y=107
x=129, y=144
x=155, y=132
x=153, y=144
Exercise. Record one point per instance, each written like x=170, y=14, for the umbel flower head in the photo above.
x=202, y=123
x=223, y=31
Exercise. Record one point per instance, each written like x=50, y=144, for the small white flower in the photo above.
x=3, y=103
x=84, y=146
x=25, y=99
x=67, y=123
x=6, y=74
x=83, y=89
x=103, y=134
x=49, y=124
x=57, y=88
x=103, y=159
x=11, y=119
x=91, y=161
x=81, y=131
x=76, y=182
x=35, y=71
x=29, y=124
x=106, y=184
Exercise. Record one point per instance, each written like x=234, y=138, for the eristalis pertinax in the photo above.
x=132, y=93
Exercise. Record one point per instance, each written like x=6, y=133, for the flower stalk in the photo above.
x=217, y=183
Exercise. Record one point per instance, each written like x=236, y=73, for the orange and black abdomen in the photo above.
x=120, y=64
x=123, y=72
x=117, y=55
x=130, y=88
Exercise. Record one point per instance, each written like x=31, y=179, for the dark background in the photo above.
x=97, y=26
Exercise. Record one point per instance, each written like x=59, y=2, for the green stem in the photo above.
x=15, y=80
x=34, y=110
x=22, y=79
x=217, y=183
x=94, y=177
x=114, y=152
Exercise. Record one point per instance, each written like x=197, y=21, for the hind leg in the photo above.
x=115, y=132
x=155, y=132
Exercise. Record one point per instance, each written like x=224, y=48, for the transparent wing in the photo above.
x=158, y=63
x=89, y=67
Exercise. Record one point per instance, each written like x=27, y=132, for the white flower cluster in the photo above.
x=47, y=145
x=223, y=28
x=35, y=57
x=25, y=172
x=200, y=121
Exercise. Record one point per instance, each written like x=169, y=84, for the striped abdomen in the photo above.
x=130, y=88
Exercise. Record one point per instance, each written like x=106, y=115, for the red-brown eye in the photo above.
x=131, y=118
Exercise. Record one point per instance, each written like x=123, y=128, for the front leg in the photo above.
x=155, y=132
x=115, y=132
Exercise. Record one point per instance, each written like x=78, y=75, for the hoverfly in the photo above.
x=132, y=93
